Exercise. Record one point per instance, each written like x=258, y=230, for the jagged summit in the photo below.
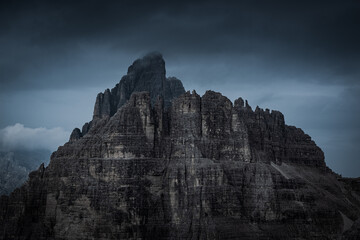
x=145, y=74
x=153, y=61
x=201, y=167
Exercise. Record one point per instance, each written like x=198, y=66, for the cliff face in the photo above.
x=152, y=165
x=146, y=74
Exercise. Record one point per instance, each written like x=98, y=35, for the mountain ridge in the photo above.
x=170, y=166
x=146, y=74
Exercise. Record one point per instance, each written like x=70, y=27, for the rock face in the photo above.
x=146, y=74
x=155, y=165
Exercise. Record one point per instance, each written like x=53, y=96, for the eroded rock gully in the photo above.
x=157, y=162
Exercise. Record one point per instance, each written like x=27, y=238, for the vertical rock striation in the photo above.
x=146, y=74
x=160, y=163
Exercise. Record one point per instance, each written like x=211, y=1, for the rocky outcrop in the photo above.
x=146, y=74
x=159, y=167
x=75, y=135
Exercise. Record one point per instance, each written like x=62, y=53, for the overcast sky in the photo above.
x=299, y=57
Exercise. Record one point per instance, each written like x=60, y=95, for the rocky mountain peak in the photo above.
x=145, y=74
x=153, y=62
x=75, y=135
x=200, y=167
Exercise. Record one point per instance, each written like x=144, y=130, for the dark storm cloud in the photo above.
x=300, y=57
x=290, y=37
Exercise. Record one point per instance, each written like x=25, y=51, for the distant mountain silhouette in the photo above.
x=15, y=166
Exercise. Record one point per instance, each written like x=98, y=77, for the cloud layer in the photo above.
x=20, y=137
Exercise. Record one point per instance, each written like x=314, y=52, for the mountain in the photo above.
x=157, y=162
x=146, y=74
x=15, y=166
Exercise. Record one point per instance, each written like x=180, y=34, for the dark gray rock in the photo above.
x=75, y=135
x=201, y=168
x=86, y=127
x=146, y=74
